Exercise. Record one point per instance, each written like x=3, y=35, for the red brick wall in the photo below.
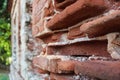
x=78, y=28
x=66, y=39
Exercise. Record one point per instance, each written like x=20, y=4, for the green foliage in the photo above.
x=5, y=48
x=4, y=77
x=5, y=33
x=3, y=4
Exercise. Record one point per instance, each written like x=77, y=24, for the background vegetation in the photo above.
x=4, y=77
x=5, y=33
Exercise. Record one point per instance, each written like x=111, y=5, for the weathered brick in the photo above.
x=41, y=9
x=70, y=77
x=41, y=62
x=37, y=10
x=103, y=25
x=85, y=48
x=76, y=13
x=66, y=66
x=55, y=37
x=74, y=33
x=50, y=10
x=25, y=46
x=38, y=70
x=54, y=64
x=62, y=5
x=60, y=77
x=105, y=70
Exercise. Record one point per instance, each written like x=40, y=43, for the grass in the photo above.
x=4, y=76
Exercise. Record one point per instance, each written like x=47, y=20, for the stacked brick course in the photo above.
x=68, y=40
x=72, y=30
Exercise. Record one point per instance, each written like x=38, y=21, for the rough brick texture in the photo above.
x=65, y=40
x=103, y=25
x=76, y=13
x=54, y=64
x=86, y=48
x=105, y=70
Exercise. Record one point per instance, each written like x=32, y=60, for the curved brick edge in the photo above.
x=72, y=14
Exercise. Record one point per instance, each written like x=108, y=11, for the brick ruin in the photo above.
x=65, y=40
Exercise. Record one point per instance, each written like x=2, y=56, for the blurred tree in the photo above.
x=3, y=10
x=5, y=32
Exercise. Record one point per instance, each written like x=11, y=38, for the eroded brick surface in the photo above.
x=86, y=48
x=101, y=26
x=68, y=40
x=105, y=70
x=66, y=66
x=60, y=77
x=74, y=32
x=76, y=13
x=54, y=64
x=55, y=37
x=61, y=5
